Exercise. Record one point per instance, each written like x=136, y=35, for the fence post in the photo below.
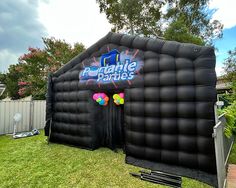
x=31, y=118
x=216, y=115
x=219, y=154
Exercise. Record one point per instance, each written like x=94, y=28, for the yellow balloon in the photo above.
x=122, y=101
x=115, y=96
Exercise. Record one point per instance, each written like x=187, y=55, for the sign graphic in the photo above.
x=114, y=66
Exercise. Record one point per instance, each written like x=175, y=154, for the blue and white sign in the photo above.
x=114, y=66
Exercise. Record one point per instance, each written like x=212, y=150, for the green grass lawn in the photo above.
x=30, y=162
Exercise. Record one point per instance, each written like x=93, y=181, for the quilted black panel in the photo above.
x=168, y=109
x=170, y=119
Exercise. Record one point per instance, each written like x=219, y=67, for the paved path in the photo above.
x=231, y=176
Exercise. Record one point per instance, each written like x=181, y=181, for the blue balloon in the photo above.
x=102, y=102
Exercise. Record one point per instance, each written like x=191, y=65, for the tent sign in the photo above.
x=114, y=66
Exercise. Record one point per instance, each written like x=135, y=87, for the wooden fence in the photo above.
x=33, y=115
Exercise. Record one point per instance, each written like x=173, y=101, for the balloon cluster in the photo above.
x=119, y=98
x=101, y=98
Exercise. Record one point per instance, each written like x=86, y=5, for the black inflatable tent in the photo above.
x=167, y=120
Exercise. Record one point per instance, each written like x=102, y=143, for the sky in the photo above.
x=23, y=23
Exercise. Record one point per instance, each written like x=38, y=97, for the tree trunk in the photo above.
x=131, y=28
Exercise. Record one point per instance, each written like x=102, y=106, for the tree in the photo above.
x=230, y=66
x=2, y=77
x=3, y=81
x=196, y=19
x=190, y=18
x=29, y=76
x=133, y=16
x=11, y=81
x=178, y=31
x=60, y=52
x=230, y=75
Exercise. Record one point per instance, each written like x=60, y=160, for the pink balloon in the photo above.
x=103, y=95
x=122, y=95
x=95, y=96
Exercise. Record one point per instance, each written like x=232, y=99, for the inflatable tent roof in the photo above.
x=167, y=120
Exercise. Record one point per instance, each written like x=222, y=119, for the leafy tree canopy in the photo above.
x=10, y=80
x=196, y=19
x=180, y=20
x=29, y=76
x=133, y=16
x=230, y=75
x=230, y=66
x=178, y=31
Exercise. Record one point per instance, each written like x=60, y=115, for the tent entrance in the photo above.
x=110, y=123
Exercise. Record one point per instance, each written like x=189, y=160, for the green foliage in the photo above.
x=2, y=77
x=230, y=115
x=230, y=66
x=59, y=52
x=133, y=16
x=230, y=97
x=180, y=20
x=31, y=162
x=220, y=111
x=195, y=18
x=232, y=157
x=3, y=81
x=11, y=82
x=178, y=31
x=34, y=66
x=230, y=111
x=224, y=97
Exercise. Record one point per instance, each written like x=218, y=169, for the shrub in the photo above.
x=230, y=115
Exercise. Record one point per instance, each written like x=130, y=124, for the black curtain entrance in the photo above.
x=110, y=123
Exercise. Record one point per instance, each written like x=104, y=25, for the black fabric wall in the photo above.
x=72, y=118
x=171, y=119
x=169, y=107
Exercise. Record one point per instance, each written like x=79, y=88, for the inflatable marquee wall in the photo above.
x=167, y=116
